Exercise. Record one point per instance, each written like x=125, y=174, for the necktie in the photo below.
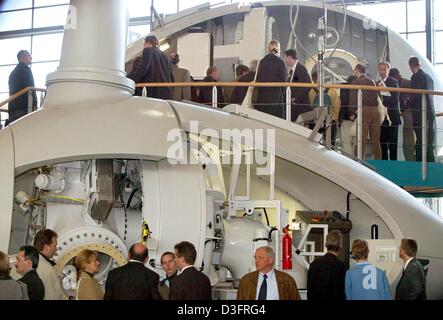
x=290, y=76
x=263, y=289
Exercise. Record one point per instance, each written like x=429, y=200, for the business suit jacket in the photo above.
x=287, y=288
x=392, y=102
x=369, y=97
x=181, y=75
x=300, y=96
x=326, y=279
x=271, y=100
x=88, y=288
x=239, y=93
x=20, y=78
x=132, y=281
x=191, y=284
x=412, y=284
x=36, y=288
x=11, y=289
x=156, y=66
x=421, y=80
x=205, y=94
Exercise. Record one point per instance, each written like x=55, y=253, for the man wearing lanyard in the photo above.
x=169, y=266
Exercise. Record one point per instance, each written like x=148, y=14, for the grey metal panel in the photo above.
x=7, y=189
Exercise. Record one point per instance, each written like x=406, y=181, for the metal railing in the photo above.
x=29, y=91
x=324, y=118
x=322, y=121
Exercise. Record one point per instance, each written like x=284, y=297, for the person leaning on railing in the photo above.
x=20, y=78
x=371, y=117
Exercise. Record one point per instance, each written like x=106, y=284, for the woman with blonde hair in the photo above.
x=271, y=69
x=87, y=264
x=10, y=289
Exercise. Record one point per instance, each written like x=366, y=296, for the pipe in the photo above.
x=101, y=25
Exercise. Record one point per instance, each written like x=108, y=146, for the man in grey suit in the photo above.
x=180, y=75
x=412, y=284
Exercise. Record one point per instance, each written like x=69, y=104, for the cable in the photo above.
x=130, y=198
x=266, y=215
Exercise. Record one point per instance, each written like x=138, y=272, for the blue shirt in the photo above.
x=366, y=282
x=271, y=286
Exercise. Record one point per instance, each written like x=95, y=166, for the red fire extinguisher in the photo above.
x=287, y=249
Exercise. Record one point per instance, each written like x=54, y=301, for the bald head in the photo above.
x=138, y=252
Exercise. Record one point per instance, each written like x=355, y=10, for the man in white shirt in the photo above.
x=267, y=283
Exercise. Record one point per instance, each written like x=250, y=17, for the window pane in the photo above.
x=438, y=17
x=137, y=32
x=10, y=48
x=186, y=4
x=166, y=7
x=418, y=41
x=48, y=17
x=15, y=4
x=47, y=47
x=139, y=8
x=41, y=3
x=416, y=16
x=4, y=77
x=41, y=70
x=438, y=47
x=378, y=13
x=15, y=20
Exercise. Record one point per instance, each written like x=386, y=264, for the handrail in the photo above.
x=18, y=94
x=285, y=84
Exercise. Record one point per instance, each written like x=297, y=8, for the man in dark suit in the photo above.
x=156, y=66
x=169, y=266
x=271, y=68
x=26, y=264
x=326, y=275
x=412, y=284
x=190, y=284
x=239, y=93
x=205, y=94
x=389, y=131
x=298, y=74
x=267, y=283
x=133, y=281
x=408, y=127
x=20, y=78
x=421, y=80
